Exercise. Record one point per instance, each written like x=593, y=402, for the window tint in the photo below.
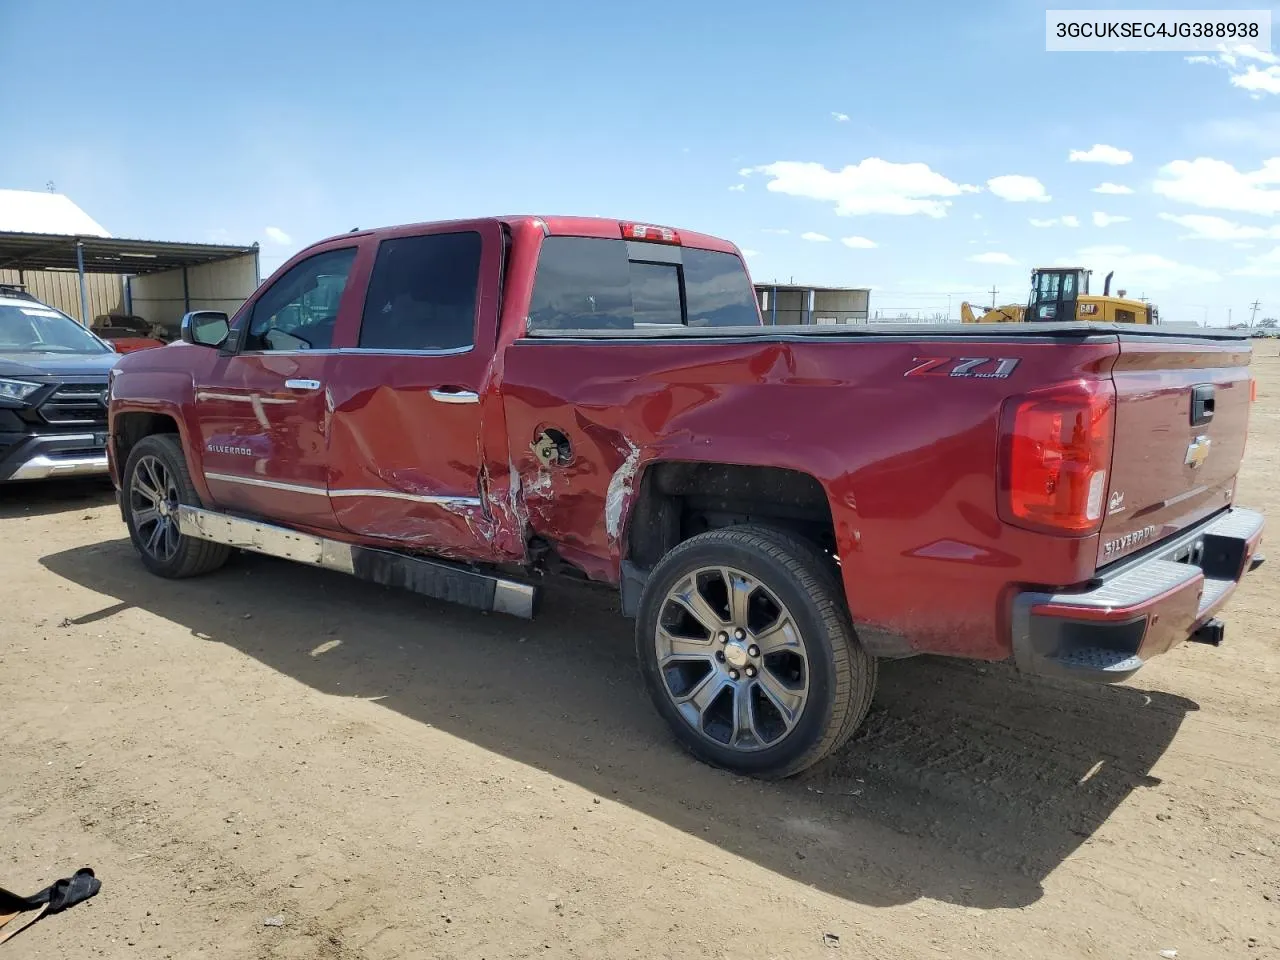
x=299, y=311
x=718, y=292
x=587, y=283
x=582, y=284
x=655, y=293
x=422, y=295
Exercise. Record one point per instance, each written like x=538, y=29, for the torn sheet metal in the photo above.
x=619, y=491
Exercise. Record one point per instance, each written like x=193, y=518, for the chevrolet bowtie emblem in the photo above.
x=1197, y=451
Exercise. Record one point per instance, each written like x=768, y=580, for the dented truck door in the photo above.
x=261, y=407
x=408, y=399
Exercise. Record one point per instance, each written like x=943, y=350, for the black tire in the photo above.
x=189, y=557
x=841, y=675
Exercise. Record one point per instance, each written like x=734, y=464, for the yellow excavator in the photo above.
x=1062, y=293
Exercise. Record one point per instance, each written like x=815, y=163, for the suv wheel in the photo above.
x=156, y=482
x=749, y=654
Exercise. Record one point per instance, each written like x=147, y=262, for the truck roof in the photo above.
x=555, y=226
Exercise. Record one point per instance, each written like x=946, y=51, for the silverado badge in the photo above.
x=1197, y=451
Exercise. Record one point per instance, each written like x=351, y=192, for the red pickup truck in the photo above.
x=460, y=408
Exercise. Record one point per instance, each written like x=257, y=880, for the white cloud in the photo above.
x=1206, y=227
x=1258, y=81
x=1018, y=189
x=1114, y=189
x=994, y=257
x=1066, y=221
x=858, y=243
x=1263, y=265
x=1246, y=76
x=276, y=235
x=783, y=231
x=738, y=188
x=1216, y=184
x=1243, y=246
x=839, y=117
x=1101, y=219
x=872, y=186
x=815, y=237
x=1101, y=153
x=750, y=253
x=746, y=171
x=1148, y=270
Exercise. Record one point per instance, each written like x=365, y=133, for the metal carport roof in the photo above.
x=49, y=251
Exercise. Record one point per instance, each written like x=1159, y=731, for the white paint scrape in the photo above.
x=619, y=490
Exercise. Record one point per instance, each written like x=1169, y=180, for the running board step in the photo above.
x=432, y=578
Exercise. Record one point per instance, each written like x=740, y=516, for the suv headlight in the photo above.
x=17, y=389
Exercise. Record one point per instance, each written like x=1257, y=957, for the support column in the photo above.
x=84, y=294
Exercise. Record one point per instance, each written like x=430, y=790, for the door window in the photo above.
x=422, y=295
x=300, y=310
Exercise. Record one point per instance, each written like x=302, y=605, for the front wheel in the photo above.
x=155, y=483
x=748, y=653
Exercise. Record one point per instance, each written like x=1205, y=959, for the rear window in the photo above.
x=589, y=283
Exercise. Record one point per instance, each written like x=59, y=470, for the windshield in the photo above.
x=36, y=328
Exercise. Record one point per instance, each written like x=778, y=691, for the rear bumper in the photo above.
x=1140, y=608
x=45, y=456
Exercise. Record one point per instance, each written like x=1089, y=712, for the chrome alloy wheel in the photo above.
x=153, y=502
x=732, y=659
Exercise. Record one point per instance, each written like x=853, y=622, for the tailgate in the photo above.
x=1182, y=411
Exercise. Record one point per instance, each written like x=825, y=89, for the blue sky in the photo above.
x=884, y=124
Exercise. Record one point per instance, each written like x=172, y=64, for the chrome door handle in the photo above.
x=302, y=384
x=455, y=396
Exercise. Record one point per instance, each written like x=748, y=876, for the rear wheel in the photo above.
x=748, y=652
x=155, y=483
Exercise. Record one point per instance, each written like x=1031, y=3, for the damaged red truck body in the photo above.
x=461, y=408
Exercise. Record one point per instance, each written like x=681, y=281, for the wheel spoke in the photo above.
x=170, y=537
x=153, y=538
x=780, y=636
x=153, y=481
x=141, y=486
x=143, y=517
x=740, y=589
x=744, y=734
x=789, y=702
x=671, y=648
x=700, y=698
x=687, y=596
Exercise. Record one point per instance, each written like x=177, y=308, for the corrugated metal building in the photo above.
x=66, y=259
x=61, y=289
x=788, y=303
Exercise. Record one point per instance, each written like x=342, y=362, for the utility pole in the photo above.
x=994, y=291
x=1254, y=312
x=948, y=308
x=1228, y=316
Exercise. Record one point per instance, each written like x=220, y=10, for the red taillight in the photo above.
x=647, y=231
x=1056, y=451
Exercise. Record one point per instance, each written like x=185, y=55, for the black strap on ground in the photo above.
x=54, y=898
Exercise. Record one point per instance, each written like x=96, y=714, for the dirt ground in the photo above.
x=392, y=777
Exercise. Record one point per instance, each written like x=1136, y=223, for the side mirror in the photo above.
x=205, y=328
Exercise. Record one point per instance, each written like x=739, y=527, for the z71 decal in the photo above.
x=983, y=368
